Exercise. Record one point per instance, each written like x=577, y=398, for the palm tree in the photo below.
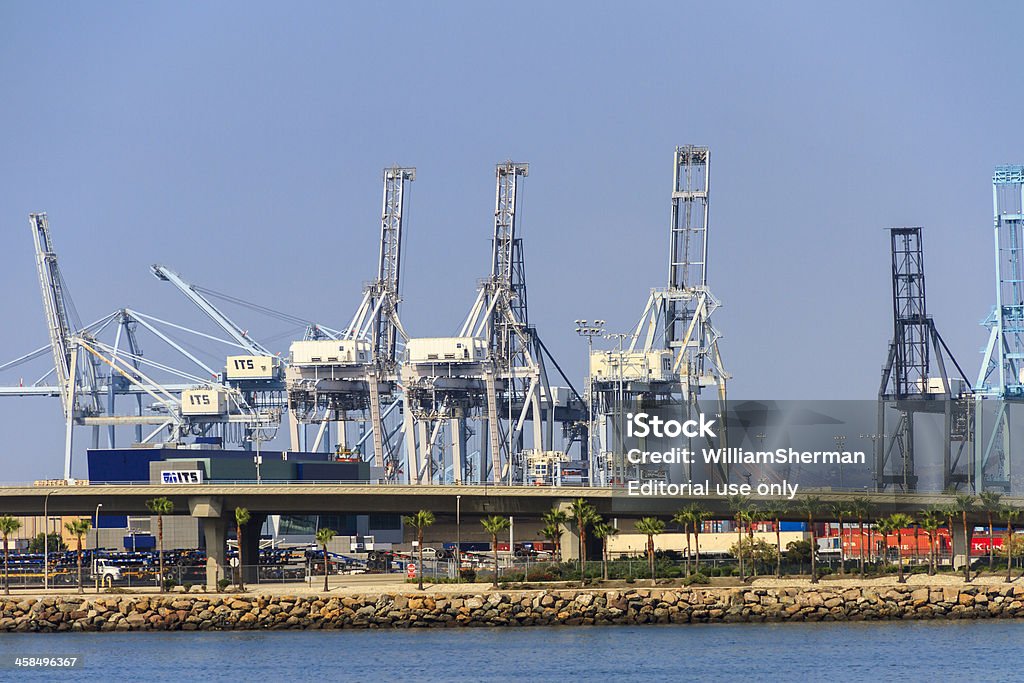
x=899, y=522
x=860, y=508
x=420, y=521
x=949, y=512
x=698, y=515
x=990, y=503
x=1010, y=514
x=650, y=527
x=930, y=520
x=964, y=504
x=774, y=510
x=683, y=519
x=751, y=516
x=739, y=505
x=552, y=533
x=323, y=537
x=78, y=528
x=242, y=518
x=494, y=525
x=8, y=525
x=693, y=515
x=604, y=531
x=160, y=506
x=884, y=527
x=583, y=514
x=809, y=507
x=556, y=518
x=840, y=510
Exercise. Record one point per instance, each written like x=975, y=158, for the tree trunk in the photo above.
x=1010, y=548
x=241, y=565
x=899, y=553
x=689, y=571
x=494, y=544
x=160, y=554
x=860, y=538
x=650, y=557
x=583, y=553
x=991, y=545
x=326, y=587
x=967, y=550
x=814, y=548
x=696, y=548
x=7, y=574
x=419, y=537
x=778, y=545
x=604, y=559
x=80, y=588
x=842, y=553
x=739, y=544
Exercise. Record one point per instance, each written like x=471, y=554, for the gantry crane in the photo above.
x=915, y=379
x=1000, y=385
x=672, y=352
x=353, y=377
x=491, y=373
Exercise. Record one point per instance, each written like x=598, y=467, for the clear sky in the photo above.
x=242, y=145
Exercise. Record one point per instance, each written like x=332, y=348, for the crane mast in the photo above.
x=385, y=291
x=51, y=287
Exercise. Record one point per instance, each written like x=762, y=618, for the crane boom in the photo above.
x=214, y=313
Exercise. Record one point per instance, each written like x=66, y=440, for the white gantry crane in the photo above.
x=672, y=353
x=492, y=373
x=355, y=377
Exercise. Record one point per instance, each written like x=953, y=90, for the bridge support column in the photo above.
x=569, y=541
x=251, y=546
x=215, y=531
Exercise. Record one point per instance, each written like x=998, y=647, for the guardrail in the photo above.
x=292, y=482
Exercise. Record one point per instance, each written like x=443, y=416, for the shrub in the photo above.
x=222, y=584
x=697, y=579
x=169, y=584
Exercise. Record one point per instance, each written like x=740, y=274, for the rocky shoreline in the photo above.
x=215, y=612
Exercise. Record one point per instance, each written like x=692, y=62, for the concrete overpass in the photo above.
x=214, y=503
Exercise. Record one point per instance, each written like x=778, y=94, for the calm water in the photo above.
x=922, y=651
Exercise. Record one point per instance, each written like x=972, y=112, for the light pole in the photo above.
x=46, y=541
x=620, y=336
x=840, y=446
x=590, y=331
x=96, y=545
x=257, y=437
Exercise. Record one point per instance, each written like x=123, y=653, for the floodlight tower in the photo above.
x=909, y=384
x=1002, y=370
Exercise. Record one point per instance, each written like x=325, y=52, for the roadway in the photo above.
x=207, y=499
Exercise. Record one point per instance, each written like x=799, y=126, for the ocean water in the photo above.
x=903, y=651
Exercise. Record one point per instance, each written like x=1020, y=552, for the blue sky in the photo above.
x=242, y=143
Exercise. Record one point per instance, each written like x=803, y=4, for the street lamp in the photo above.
x=840, y=446
x=46, y=541
x=96, y=545
x=590, y=331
